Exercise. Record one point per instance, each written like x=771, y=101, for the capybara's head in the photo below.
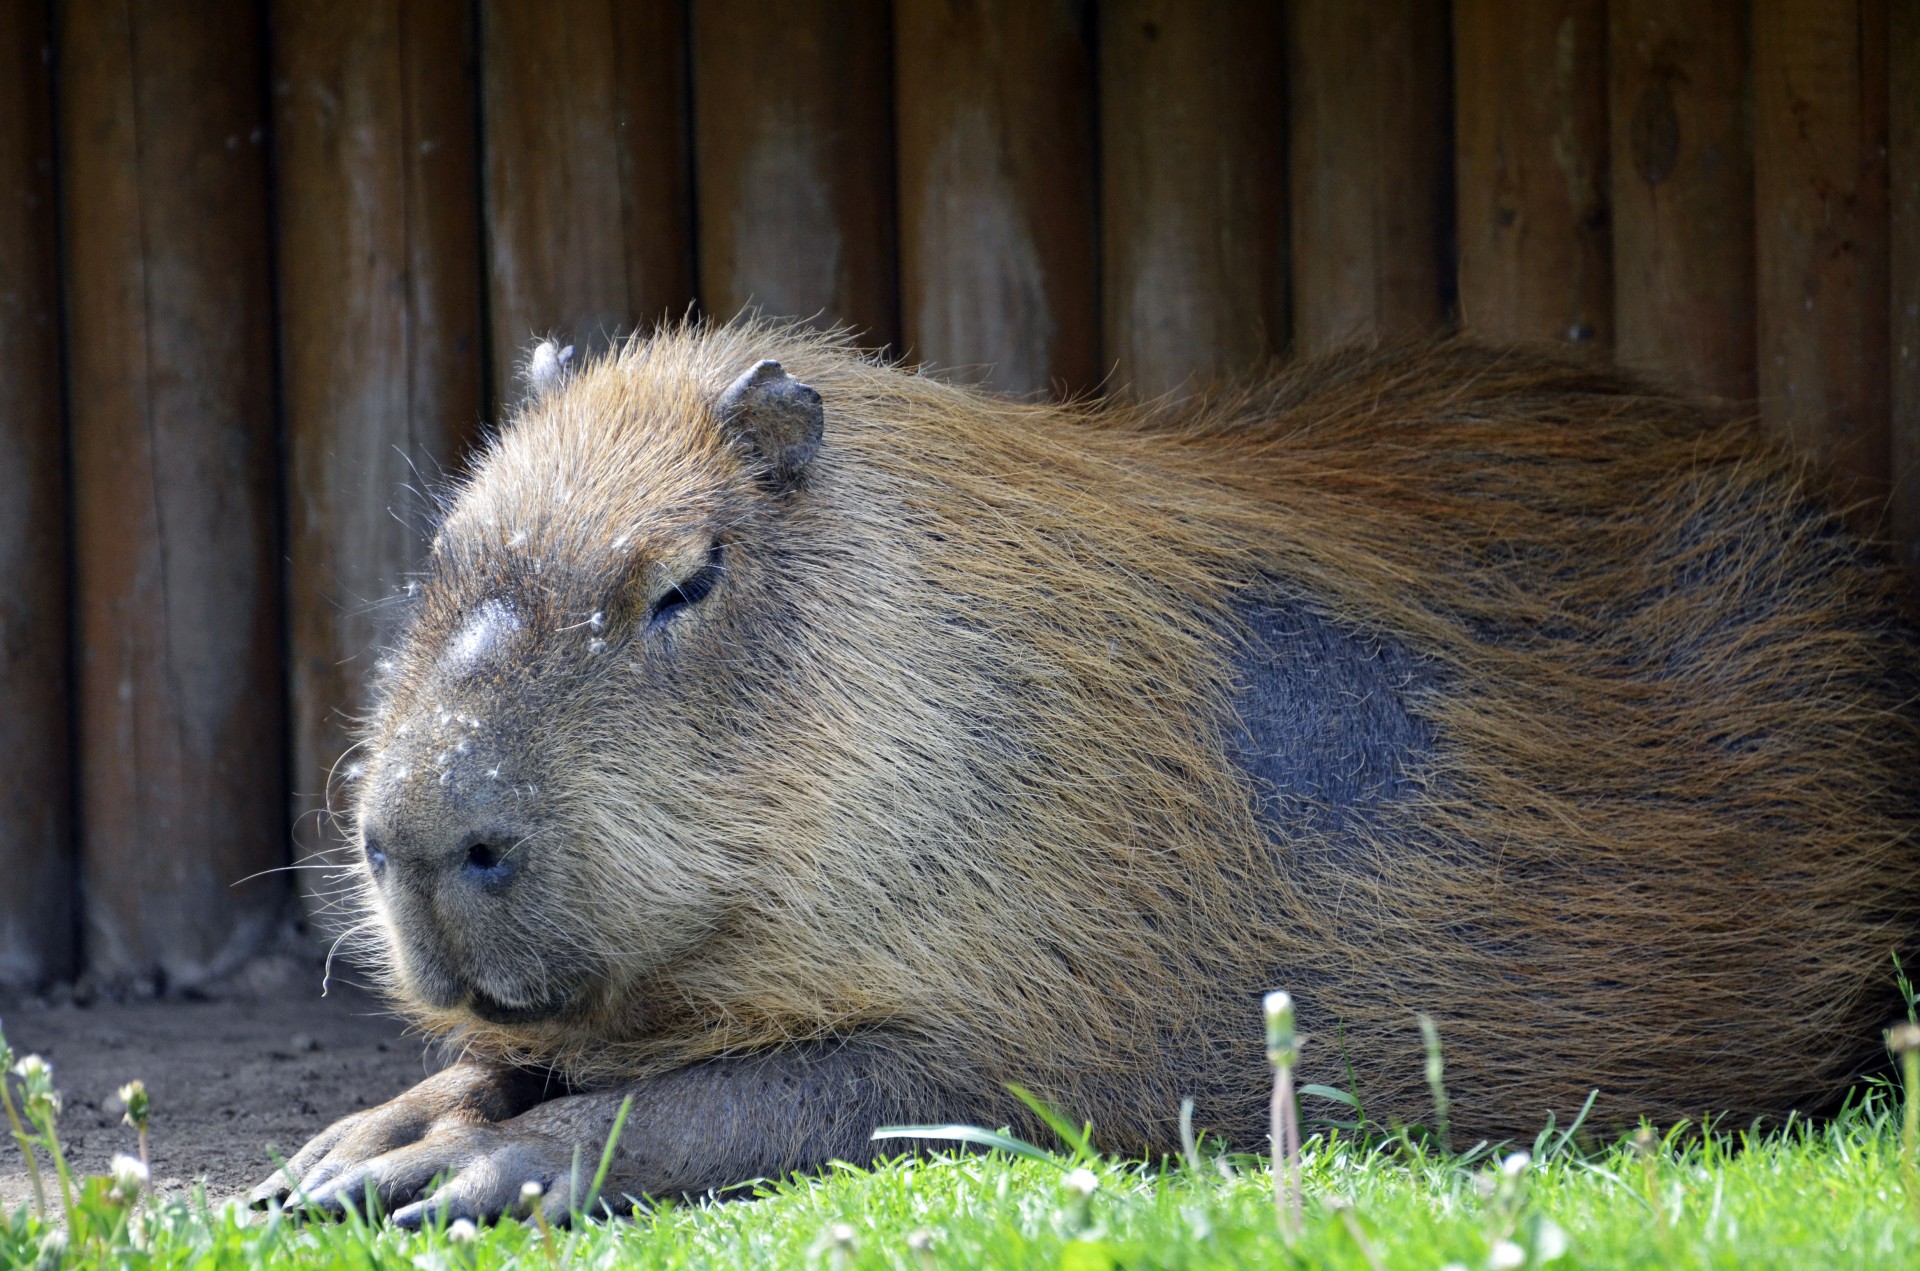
x=545, y=798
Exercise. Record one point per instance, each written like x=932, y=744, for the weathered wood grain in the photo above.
x=1820, y=186
x=1530, y=101
x=170, y=321
x=999, y=275
x=1193, y=190
x=1683, y=192
x=588, y=202
x=793, y=149
x=1371, y=129
x=381, y=347
x=36, y=849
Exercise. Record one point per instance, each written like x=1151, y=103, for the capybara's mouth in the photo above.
x=494, y=1011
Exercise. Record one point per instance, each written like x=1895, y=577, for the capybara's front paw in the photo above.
x=483, y=1172
x=331, y=1171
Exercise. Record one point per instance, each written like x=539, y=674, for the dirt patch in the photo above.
x=258, y=1068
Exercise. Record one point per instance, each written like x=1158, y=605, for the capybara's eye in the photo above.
x=689, y=591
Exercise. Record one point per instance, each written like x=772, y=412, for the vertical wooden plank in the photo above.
x=1820, y=189
x=655, y=103
x=36, y=855
x=170, y=337
x=1371, y=122
x=1193, y=154
x=587, y=181
x=793, y=152
x=1903, y=157
x=1530, y=106
x=998, y=210
x=381, y=354
x=1683, y=192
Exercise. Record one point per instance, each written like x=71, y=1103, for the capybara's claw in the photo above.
x=274, y=1191
x=498, y=1171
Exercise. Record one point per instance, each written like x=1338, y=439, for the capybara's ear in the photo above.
x=546, y=368
x=775, y=414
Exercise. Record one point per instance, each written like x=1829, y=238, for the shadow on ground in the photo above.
x=256, y=1068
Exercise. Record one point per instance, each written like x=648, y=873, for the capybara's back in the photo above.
x=1032, y=743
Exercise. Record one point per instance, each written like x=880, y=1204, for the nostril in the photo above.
x=486, y=862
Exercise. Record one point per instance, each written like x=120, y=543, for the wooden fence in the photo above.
x=266, y=267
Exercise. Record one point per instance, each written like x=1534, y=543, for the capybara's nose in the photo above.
x=450, y=826
x=486, y=858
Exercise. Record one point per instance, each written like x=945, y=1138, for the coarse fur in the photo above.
x=950, y=754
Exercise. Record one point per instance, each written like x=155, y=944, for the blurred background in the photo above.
x=266, y=267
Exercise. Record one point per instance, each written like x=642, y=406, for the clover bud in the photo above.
x=36, y=1074
x=134, y=1096
x=1283, y=1043
x=1082, y=1182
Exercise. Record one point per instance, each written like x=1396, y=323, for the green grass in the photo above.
x=1807, y=1195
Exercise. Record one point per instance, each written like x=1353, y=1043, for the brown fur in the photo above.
x=942, y=757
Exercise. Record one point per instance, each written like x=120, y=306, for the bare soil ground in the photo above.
x=256, y=1068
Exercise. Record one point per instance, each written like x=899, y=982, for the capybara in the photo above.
x=796, y=744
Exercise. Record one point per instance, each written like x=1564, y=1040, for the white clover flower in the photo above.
x=1081, y=1182
x=130, y=1176
x=33, y=1069
x=1549, y=1241
x=531, y=1191
x=462, y=1231
x=1505, y=1256
x=1516, y=1165
x=841, y=1235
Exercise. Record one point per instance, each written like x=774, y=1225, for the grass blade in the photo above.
x=606, y=1153
x=971, y=1134
x=1078, y=1138
x=1328, y=1092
